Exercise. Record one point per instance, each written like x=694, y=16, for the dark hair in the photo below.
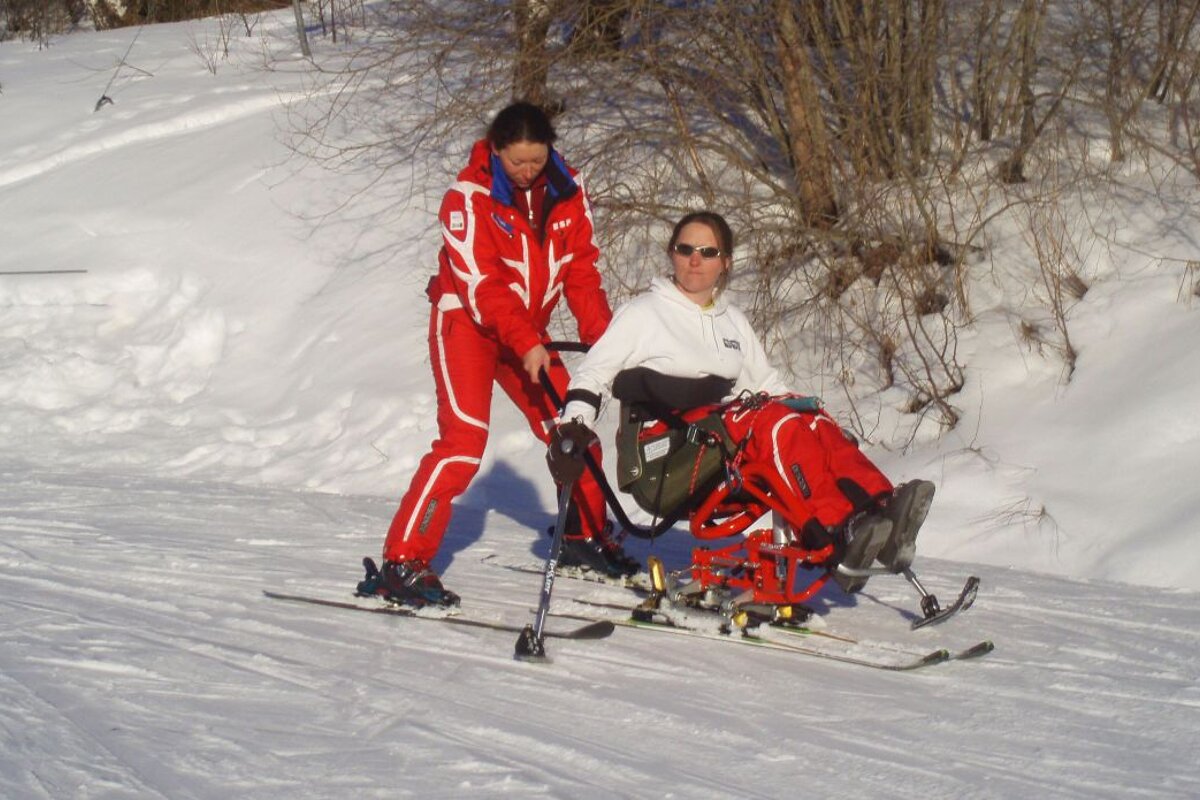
x=715, y=222
x=521, y=122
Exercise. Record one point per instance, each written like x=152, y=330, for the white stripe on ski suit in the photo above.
x=522, y=269
x=465, y=249
x=812, y=426
x=419, y=509
x=777, y=449
x=441, y=355
x=554, y=287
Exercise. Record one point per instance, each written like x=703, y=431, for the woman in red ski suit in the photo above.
x=517, y=235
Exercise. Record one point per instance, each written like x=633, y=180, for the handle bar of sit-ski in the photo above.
x=610, y=497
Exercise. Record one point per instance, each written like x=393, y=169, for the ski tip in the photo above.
x=936, y=657
x=981, y=649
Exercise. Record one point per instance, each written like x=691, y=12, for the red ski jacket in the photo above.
x=493, y=265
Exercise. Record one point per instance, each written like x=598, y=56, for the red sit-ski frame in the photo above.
x=758, y=563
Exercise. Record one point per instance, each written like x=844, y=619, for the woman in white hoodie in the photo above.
x=691, y=348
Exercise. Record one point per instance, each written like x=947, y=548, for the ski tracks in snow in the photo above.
x=139, y=659
x=185, y=122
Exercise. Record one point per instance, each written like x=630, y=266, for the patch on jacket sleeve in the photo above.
x=503, y=224
x=732, y=344
x=458, y=221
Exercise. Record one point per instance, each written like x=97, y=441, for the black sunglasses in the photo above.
x=686, y=250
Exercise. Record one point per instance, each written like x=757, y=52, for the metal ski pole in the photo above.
x=531, y=645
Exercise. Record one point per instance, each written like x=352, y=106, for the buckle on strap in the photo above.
x=701, y=436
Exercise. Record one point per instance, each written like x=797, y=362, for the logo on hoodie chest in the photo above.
x=732, y=344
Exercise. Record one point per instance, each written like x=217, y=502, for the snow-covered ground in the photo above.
x=234, y=394
x=140, y=660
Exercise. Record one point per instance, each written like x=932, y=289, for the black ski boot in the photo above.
x=599, y=554
x=408, y=583
x=907, y=509
x=616, y=555
x=862, y=538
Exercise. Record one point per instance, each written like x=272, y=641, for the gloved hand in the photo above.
x=568, y=443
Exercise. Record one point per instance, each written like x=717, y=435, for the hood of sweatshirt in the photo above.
x=665, y=287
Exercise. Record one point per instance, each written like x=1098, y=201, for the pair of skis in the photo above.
x=794, y=640
x=595, y=629
x=789, y=638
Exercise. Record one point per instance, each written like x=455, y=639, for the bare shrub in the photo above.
x=211, y=45
x=1059, y=261
x=38, y=20
x=114, y=14
x=1192, y=277
x=861, y=150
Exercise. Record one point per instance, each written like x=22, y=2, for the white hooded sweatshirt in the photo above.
x=664, y=331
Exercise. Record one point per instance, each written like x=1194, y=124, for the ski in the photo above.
x=908, y=663
x=981, y=648
x=964, y=601
x=638, y=583
x=596, y=629
x=976, y=650
x=797, y=630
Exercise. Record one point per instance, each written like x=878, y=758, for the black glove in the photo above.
x=568, y=443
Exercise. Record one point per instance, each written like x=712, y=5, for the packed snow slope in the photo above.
x=139, y=659
x=233, y=394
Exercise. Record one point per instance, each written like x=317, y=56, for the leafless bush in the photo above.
x=249, y=22
x=1170, y=44
x=758, y=110
x=115, y=14
x=860, y=149
x=1024, y=511
x=1174, y=23
x=1051, y=237
x=1191, y=279
x=38, y=20
x=211, y=44
x=340, y=15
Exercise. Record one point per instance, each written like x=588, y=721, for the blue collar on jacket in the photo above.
x=559, y=183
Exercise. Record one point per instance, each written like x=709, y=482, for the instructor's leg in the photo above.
x=463, y=370
x=535, y=404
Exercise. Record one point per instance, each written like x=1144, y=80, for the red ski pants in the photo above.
x=810, y=454
x=466, y=365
